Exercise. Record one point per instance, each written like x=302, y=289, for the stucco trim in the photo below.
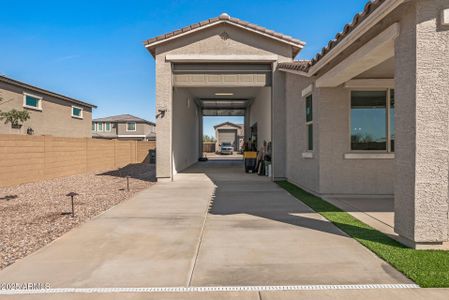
x=354, y=35
x=179, y=58
x=307, y=155
x=38, y=108
x=75, y=116
x=370, y=155
x=282, y=39
x=377, y=50
x=307, y=91
x=370, y=84
x=445, y=17
x=294, y=72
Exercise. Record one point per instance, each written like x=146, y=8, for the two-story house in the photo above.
x=124, y=127
x=50, y=113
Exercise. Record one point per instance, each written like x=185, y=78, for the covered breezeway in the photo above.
x=206, y=90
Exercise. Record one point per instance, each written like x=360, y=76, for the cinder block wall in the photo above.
x=26, y=159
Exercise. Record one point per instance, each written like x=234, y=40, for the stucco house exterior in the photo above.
x=50, y=113
x=123, y=127
x=368, y=116
x=228, y=132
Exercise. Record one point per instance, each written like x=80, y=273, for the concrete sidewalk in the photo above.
x=387, y=294
x=254, y=234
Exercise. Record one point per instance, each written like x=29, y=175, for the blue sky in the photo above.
x=93, y=50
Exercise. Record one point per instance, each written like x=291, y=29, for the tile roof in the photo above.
x=123, y=118
x=30, y=87
x=228, y=123
x=297, y=65
x=225, y=18
x=369, y=8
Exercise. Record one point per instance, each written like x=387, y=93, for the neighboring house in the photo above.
x=50, y=113
x=123, y=127
x=228, y=132
x=367, y=116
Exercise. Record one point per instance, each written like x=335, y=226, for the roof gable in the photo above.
x=26, y=86
x=224, y=18
x=228, y=124
x=123, y=118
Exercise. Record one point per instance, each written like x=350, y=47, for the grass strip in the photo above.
x=427, y=268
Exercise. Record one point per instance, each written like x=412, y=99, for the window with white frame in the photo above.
x=32, y=101
x=107, y=126
x=77, y=112
x=93, y=126
x=372, y=120
x=309, y=122
x=99, y=126
x=131, y=126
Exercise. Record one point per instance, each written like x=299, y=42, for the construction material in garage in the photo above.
x=259, y=161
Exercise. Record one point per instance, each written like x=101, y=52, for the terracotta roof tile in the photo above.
x=226, y=18
x=369, y=8
x=304, y=66
x=297, y=65
x=123, y=118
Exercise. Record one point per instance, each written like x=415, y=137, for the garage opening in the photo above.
x=227, y=106
x=223, y=137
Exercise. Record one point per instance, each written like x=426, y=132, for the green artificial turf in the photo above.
x=428, y=268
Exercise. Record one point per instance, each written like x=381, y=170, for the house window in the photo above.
x=131, y=126
x=31, y=101
x=107, y=126
x=93, y=126
x=77, y=112
x=372, y=120
x=99, y=126
x=392, y=128
x=309, y=122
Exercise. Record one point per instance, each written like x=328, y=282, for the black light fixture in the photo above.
x=30, y=131
x=71, y=195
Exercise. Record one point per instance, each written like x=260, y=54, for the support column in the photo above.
x=164, y=95
x=247, y=126
x=200, y=131
x=278, y=125
x=422, y=126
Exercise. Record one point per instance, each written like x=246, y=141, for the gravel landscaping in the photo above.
x=34, y=214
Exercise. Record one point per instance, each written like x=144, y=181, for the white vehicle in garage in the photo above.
x=226, y=148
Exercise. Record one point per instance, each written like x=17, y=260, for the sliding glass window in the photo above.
x=372, y=120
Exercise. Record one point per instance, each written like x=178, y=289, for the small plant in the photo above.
x=15, y=117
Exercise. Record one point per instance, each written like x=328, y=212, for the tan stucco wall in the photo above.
x=260, y=113
x=328, y=172
x=422, y=118
x=141, y=128
x=55, y=118
x=207, y=41
x=300, y=171
x=185, y=130
x=337, y=174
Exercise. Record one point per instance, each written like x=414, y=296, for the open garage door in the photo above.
x=227, y=136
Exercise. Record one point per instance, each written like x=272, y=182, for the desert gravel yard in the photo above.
x=34, y=214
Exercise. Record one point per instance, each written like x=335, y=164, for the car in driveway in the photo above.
x=226, y=148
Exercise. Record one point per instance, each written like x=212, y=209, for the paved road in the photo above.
x=213, y=226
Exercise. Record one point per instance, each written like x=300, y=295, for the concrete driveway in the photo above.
x=213, y=226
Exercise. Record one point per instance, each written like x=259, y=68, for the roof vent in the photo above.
x=224, y=16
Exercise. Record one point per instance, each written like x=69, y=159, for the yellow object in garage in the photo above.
x=250, y=154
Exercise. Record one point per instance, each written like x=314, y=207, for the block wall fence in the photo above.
x=26, y=159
